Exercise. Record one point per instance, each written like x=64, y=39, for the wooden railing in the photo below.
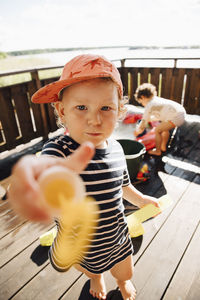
x=21, y=121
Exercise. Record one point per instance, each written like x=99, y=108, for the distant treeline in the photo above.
x=50, y=50
x=2, y=55
x=166, y=47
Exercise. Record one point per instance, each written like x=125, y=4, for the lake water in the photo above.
x=60, y=58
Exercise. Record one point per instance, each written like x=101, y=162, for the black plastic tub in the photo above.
x=134, y=152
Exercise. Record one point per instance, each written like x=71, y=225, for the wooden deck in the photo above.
x=167, y=264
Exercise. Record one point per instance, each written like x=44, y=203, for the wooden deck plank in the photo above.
x=194, y=154
x=175, y=188
x=157, y=264
x=48, y=284
x=5, y=182
x=4, y=207
x=192, y=136
x=21, y=269
x=75, y=292
x=185, y=284
x=8, y=219
x=19, y=239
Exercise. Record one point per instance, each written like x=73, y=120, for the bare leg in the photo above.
x=165, y=138
x=123, y=272
x=97, y=283
x=160, y=143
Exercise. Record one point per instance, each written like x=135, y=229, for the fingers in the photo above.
x=25, y=195
x=157, y=204
x=154, y=201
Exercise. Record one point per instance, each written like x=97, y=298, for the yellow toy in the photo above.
x=134, y=220
x=64, y=196
x=47, y=238
x=149, y=211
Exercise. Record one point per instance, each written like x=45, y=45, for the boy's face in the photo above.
x=89, y=110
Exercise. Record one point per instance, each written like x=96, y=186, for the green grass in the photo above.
x=16, y=63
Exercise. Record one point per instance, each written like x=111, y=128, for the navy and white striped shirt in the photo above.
x=104, y=178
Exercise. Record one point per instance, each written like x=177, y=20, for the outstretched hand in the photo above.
x=24, y=193
x=148, y=200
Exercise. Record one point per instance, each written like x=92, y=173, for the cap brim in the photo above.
x=49, y=93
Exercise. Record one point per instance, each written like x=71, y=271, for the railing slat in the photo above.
x=124, y=75
x=166, y=82
x=134, y=84
x=155, y=77
x=192, y=91
x=144, y=72
x=19, y=94
x=36, y=109
x=7, y=118
x=38, y=84
x=50, y=111
x=176, y=85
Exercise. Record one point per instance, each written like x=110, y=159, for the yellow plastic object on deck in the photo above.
x=64, y=195
x=149, y=211
x=47, y=238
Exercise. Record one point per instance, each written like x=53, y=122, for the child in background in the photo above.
x=88, y=100
x=170, y=114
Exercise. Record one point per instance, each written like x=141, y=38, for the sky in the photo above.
x=33, y=24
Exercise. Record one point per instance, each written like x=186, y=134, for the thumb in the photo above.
x=80, y=158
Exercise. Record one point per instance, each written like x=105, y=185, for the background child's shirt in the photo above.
x=160, y=109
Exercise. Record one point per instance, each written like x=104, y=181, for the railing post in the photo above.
x=35, y=77
x=122, y=63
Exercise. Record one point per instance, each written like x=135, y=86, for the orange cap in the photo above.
x=80, y=68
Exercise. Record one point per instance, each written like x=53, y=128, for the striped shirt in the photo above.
x=104, y=178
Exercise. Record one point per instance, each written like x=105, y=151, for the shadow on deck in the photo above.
x=167, y=264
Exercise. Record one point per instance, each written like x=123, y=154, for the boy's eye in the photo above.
x=81, y=107
x=106, y=108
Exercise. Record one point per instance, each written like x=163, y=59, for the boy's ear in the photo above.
x=60, y=108
x=122, y=110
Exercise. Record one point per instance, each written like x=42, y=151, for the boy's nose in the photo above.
x=94, y=119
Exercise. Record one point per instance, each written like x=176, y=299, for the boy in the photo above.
x=88, y=100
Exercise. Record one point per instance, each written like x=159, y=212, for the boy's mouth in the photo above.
x=93, y=133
